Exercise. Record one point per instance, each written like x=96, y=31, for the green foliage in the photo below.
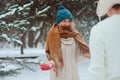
x=20, y=17
x=17, y=23
x=9, y=73
x=5, y=70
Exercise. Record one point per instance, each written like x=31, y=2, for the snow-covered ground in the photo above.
x=26, y=74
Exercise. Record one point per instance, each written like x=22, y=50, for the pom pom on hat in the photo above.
x=61, y=7
x=62, y=14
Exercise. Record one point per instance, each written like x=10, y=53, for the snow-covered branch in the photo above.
x=80, y=11
x=8, y=13
x=27, y=5
x=42, y=11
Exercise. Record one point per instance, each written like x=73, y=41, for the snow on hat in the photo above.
x=62, y=14
x=104, y=6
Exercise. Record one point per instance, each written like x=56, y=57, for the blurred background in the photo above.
x=25, y=23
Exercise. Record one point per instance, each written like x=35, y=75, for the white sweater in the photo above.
x=105, y=50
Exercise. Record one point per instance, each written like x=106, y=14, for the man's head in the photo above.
x=115, y=9
x=62, y=14
x=105, y=6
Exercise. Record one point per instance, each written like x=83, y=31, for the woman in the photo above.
x=64, y=45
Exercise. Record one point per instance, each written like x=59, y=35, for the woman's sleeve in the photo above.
x=97, y=62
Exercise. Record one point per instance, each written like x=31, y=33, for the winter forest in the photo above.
x=24, y=25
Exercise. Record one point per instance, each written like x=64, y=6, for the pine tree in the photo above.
x=41, y=15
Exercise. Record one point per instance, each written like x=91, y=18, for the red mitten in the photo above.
x=47, y=66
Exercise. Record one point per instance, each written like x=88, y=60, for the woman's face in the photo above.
x=66, y=24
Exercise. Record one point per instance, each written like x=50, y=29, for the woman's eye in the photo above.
x=69, y=21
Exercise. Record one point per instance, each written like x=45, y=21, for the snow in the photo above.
x=12, y=7
x=8, y=14
x=45, y=9
x=15, y=52
x=5, y=36
x=17, y=41
x=35, y=28
x=8, y=67
x=29, y=4
x=27, y=74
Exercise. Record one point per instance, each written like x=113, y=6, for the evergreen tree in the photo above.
x=33, y=18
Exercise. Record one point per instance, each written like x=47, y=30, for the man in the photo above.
x=105, y=43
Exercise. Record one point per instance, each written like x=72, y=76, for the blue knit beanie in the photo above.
x=62, y=14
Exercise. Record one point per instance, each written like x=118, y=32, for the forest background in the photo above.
x=25, y=23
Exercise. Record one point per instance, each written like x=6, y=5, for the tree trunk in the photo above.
x=23, y=39
x=30, y=39
x=40, y=35
x=21, y=49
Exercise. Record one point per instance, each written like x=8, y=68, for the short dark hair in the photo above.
x=116, y=6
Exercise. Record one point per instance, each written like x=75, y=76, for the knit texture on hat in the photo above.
x=62, y=14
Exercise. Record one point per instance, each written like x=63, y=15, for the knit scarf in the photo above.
x=53, y=44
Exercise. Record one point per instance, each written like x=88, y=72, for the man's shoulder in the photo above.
x=107, y=22
x=101, y=24
x=96, y=27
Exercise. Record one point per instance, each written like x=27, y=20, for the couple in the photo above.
x=64, y=45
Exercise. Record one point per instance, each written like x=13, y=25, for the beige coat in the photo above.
x=53, y=45
x=71, y=52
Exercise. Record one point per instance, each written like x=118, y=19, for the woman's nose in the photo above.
x=66, y=23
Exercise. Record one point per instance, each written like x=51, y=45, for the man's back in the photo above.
x=105, y=47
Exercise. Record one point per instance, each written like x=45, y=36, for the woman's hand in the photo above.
x=68, y=27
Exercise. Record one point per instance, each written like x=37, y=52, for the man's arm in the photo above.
x=97, y=62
